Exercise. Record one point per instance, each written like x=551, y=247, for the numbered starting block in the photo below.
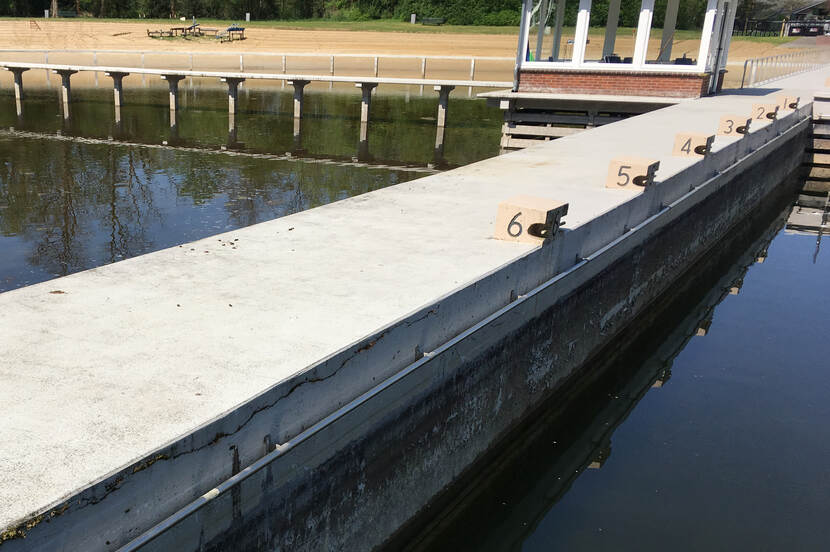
x=764, y=112
x=631, y=172
x=734, y=125
x=690, y=144
x=529, y=219
x=788, y=103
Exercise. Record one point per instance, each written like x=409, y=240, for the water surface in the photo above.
x=710, y=433
x=71, y=200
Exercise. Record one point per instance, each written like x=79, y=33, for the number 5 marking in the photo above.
x=515, y=223
x=622, y=172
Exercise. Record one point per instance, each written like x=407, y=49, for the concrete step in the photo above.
x=537, y=130
x=559, y=118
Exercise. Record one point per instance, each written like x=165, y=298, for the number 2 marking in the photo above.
x=760, y=116
x=514, y=222
x=625, y=174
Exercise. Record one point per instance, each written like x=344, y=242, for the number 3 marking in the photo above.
x=514, y=222
x=731, y=124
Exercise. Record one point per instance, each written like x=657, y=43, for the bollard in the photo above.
x=529, y=219
x=631, y=173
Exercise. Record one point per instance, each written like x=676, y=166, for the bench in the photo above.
x=67, y=13
x=432, y=21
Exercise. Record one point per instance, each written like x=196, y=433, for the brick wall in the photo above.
x=632, y=83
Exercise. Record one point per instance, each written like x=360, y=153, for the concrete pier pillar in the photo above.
x=363, y=154
x=366, y=101
x=298, y=135
x=299, y=86
x=117, y=87
x=173, y=82
x=233, y=92
x=443, y=103
x=66, y=93
x=18, y=87
x=232, y=136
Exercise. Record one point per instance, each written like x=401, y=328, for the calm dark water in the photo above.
x=67, y=205
x=711, y=433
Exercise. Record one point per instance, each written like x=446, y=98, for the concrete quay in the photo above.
x=312, y=382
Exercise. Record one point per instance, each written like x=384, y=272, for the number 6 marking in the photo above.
x=514, y=222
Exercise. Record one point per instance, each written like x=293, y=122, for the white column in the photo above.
x=727, y=34
x=643, y=33
x=524, y=31
x=540, y=35
x=611, y=28
x=706, y=35
x=669, y=24
x=583, y=19
x=557, y=28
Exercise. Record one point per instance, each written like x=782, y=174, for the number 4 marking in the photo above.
x=687, y=147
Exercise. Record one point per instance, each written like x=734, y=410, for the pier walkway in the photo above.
x=168, y=359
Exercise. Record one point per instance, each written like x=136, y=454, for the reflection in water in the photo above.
x=720, y=456
x=67, y=206
x=402, y=129
x=72, y=204
x=811, y=212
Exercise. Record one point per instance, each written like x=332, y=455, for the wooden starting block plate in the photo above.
x=764, y=112
x=631, y=172
x=788, y=103
x=529, y=219
x=692, y=144
x=734, y=125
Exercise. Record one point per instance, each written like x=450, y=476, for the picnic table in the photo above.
x=232, y=33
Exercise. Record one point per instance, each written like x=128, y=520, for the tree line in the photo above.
x=455, y=12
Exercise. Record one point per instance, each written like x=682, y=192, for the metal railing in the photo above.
x=760, y=71
x=368, y=64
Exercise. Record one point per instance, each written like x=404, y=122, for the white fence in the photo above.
x=367, y=65
x=760, y=71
